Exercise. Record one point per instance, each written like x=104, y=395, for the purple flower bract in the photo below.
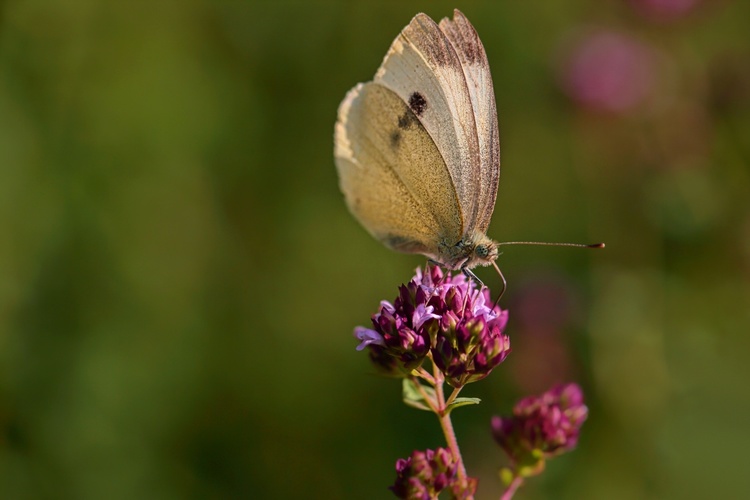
x=447, y=317
x=424, y=474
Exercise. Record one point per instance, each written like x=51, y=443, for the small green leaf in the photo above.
x=462, y=402
x=412, y=393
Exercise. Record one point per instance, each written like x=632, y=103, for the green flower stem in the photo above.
x=512, y=488
x=446, y=424
x=434, y=405
x=421, y=372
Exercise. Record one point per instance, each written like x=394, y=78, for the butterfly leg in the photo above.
x=470, y=274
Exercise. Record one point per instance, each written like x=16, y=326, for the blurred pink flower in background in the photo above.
x=609, y=71
x=545, y=303
x=546, y=310
x=664, y=10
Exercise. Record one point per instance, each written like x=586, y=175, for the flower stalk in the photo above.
x=444, y=329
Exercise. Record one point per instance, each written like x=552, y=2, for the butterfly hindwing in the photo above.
x=392, y=173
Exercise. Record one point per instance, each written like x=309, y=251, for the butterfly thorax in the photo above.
x=474, y=249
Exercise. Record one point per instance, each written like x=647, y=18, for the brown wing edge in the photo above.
x=470, y=50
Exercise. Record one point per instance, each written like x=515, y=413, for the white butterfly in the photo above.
x=417, y=148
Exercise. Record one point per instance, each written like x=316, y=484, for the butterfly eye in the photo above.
x=486, y=252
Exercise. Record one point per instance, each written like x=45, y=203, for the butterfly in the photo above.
x=417, y=148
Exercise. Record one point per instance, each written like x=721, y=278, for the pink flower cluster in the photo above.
x=447, y=317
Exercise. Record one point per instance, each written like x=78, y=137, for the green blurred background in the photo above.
x=179, y=275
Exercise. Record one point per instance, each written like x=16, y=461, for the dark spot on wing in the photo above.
x=405, y=120
x=430, y=40
x=471, y=51
x=464, y=39
x=469, y=44
x=417, y=103
x=395, y=139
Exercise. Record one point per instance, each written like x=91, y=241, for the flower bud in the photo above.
x=541, y=427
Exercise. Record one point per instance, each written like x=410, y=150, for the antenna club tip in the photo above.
x=597, y=245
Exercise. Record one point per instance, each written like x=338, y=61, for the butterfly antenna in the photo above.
x=505, y=284
x=542, y=243
x=547, y=243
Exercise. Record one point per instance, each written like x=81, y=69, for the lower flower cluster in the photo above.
x=425, y=474
x=446, y=317
x=541, y=427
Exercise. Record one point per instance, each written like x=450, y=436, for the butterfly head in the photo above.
x=484, y=251
x=475, y=249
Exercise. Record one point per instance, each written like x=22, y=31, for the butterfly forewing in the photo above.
x=470, y=50
x=423, y=68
